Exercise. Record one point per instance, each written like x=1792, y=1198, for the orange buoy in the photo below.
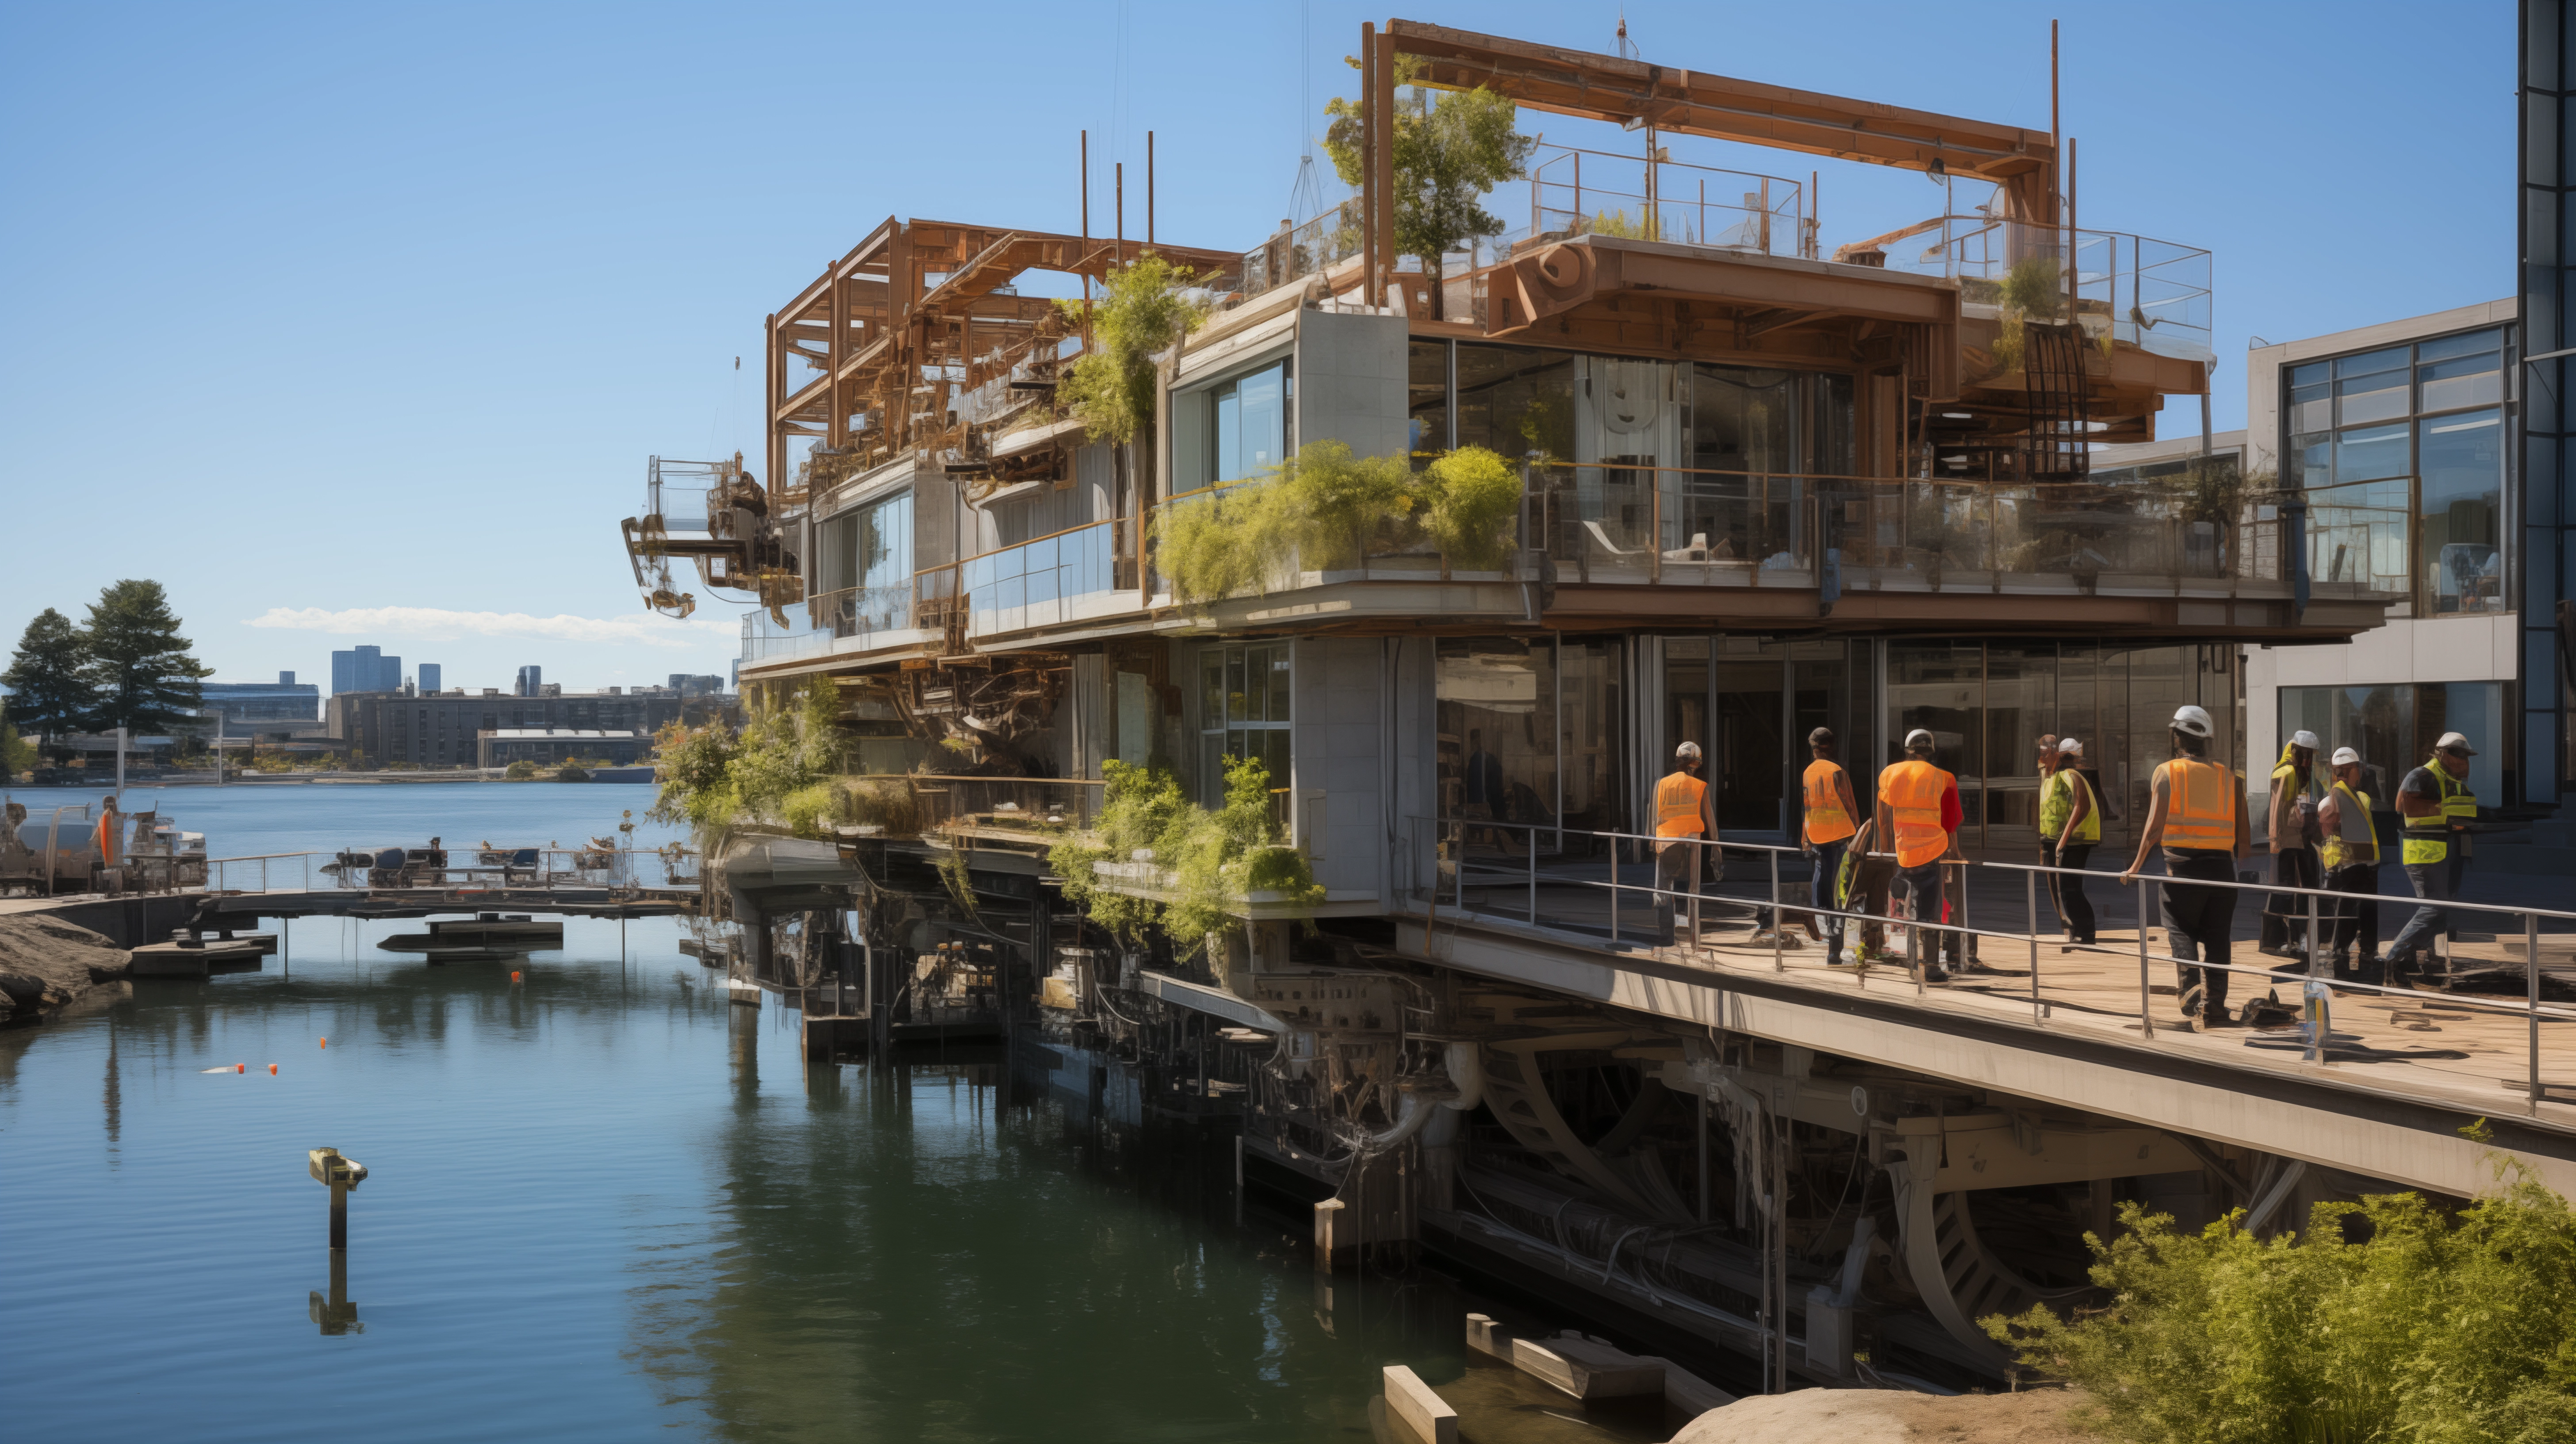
x=514, y=977
x=326, y=1042
x=239, y=1068
x=272, y=1070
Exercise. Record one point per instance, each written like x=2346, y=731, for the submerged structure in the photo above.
x=1763, y=479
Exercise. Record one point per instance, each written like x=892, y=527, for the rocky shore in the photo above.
x=47, y=964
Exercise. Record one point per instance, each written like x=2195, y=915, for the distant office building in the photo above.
x=554, y=746
x=284, y=700
x=530, y=679
x=429, y=678
x=688, y=686
x=365, y=669
x=444, y=731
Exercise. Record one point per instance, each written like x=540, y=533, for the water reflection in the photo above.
x=681, y=1237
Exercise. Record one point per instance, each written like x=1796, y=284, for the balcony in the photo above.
x=2152, y=294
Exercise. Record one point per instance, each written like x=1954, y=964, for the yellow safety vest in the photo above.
x=1826, y=820
x=2428, y=839
x=1912, y=791
x=2352, y=803
x=1677, y=806
x=2070, y=782
x=2200, y=806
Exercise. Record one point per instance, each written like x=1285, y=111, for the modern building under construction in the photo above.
x=1771, y=478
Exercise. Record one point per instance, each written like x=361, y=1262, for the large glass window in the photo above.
x=1516, y=399
x=1250, y=434
x=1244, y=711
x=2394, y=727
x=1531, y=733
x=2461, y=498
x=863, y=566
x=2402, y=453
x=1426, y=401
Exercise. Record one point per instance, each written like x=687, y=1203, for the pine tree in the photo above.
x=145, y=677
x=48, y=677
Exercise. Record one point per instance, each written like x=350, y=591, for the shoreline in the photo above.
x=607, y=775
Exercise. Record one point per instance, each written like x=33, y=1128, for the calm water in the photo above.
x=604, y=1202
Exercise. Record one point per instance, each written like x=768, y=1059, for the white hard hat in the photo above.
x=2066, y=745
x=2346, y=757
x=2304, y=738
x=2454, y=742
x=2194, y=722
x=1917, y=737
x=1687, y=749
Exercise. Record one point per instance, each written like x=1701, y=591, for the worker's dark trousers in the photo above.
x=2197, y=919
x=2356, y=916
x=2072, y=904
x=1923, y=890
x=1829, y=863
x=2285, y=914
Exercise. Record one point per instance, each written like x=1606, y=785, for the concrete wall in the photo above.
x=1339, y=750
x=1350, y=376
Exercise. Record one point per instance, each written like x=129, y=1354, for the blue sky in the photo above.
x=357, y=323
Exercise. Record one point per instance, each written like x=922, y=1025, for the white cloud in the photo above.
x=437, y=624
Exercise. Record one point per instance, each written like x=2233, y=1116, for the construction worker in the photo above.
x=1830, y=822
x=2197, y=811
x=2291, y=825
x=2070, y=824
x=106, y=839
x=2351, y=848
x=1685, y=811
x=2435, y=807
x=1918, y=812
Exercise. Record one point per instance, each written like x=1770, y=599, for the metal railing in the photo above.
x=468, y=870
x=1691, y=205
x=862, y=611
x=1645, y=523
x=1298, y=251
x=1068, y=576
x=1619, y=868
x=2152, y=294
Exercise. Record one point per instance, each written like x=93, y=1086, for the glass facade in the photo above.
x=2401, y=452
x=1249, y=434
x=1988, y=704
x=1530, y=732
x=1245, y=696
x=2394, y=726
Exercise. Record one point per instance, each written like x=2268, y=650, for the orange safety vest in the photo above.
x=2200, y=805
x=1677, y=806
x=1912, y=791
x=1826, y=820
x=107, y=822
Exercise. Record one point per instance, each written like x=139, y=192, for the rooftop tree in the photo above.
x=1448, y=155
x=145, y=677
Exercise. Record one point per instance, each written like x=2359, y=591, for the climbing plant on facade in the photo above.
x=1203, y=863
x=1320, y=509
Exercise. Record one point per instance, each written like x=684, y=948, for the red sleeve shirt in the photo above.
x=1951, y=814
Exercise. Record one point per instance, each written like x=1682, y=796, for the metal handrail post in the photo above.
x=2320, y=1032
x=1614, y=871
x=2146, y=1009
x=1778, y=964
x=2531, y=997
x=1914, y=938
x=1529, y=845
x=2030, y=890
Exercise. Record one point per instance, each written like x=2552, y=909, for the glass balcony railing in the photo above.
x=1589, y=192
x=1643, y=525
x=2152, y=294
x=1072, y=576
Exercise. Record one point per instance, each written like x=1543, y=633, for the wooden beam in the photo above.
x=1607, y=87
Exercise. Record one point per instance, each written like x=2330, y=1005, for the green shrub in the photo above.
x=1471, y=499
x=1144, y=307
x=520, y=771
x=713, y=776
x=2434, y=1331
x=1322, y=505
x=571, y=772
x=1214, y=858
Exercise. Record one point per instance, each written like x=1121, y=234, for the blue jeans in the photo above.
x=2432, y=884
x=1829, y=862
